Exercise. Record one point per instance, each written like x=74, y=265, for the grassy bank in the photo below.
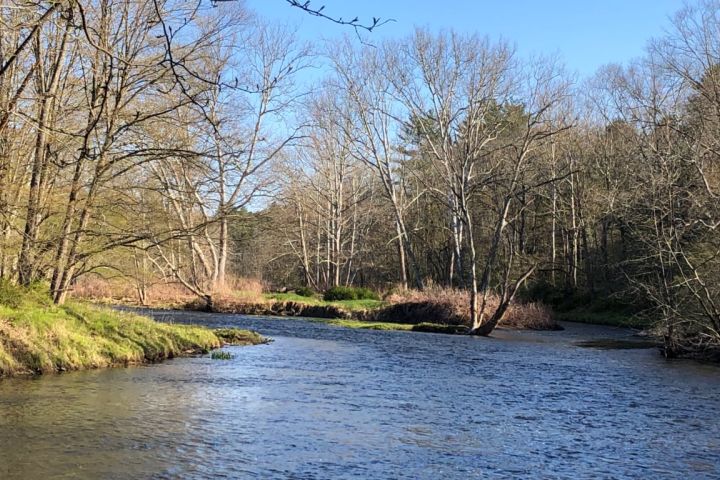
x=435, y=309
x=419, y=327
x=39, y=337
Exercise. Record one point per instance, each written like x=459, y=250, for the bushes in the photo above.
x=349, y=293
x=15, y=296
x=339, y=293
x=10, y=295
x=305, y=292
x=366, y=294
x=564, y=299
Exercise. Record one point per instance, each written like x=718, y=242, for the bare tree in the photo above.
x=371, y=108
x=455, y=82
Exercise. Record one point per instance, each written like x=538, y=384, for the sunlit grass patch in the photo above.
x=368, y=325
x=38, y=337
x=236, y=336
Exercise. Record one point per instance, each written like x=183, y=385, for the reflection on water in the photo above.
x=327, y=402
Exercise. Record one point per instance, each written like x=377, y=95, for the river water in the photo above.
x=324, y=402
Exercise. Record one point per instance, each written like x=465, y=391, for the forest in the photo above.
x=153, y=142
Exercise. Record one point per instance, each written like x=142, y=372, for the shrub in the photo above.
x=221, y=355
x=349, y=293
x=448, y=306
x=366, y=294
x=305, y=292
x=10, y=294
x=340, y=293
x=542, y=291
x=15, y=296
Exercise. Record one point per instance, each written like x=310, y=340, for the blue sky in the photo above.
x=585, y=33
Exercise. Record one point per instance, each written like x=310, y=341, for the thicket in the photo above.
x=349, y=293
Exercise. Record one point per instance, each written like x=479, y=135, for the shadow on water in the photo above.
x=617, y=344
x=325, y=402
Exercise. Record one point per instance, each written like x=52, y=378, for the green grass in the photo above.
x=351, y=305
x=362, y=305
x=221, y=355
x=235, y=336
x=38, y=337
x=293, y=297
x=367, y=325
x=439, y=328
x=421, y=327
x=366, y=304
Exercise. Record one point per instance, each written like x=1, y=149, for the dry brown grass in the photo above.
x=168, y=293
x=530, y=316
x=240, y=288
x=99, y=289
x=452, y=307
x=162, y=294
x=451, y=296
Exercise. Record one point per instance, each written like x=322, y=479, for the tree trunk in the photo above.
x=26, y=262
x=220, y=277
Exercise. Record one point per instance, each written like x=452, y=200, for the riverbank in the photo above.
x=38, y=337
x=435, y=309
x=408, y=327
x=607, y=317
x=327, y=399
x=327, y=314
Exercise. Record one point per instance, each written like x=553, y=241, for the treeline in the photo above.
x=447, y=159
x=180, y=145
x=129, y=132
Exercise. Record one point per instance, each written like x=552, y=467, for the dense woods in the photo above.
x=174, y=142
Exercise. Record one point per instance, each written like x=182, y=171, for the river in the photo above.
x=325, y=402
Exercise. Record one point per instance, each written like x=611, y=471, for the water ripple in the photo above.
x=327, y=402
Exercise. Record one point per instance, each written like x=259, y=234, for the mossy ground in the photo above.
x=39, y=337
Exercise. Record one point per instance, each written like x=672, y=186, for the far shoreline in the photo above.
x=375, y=317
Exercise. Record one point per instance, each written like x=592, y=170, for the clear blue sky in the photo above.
x=585, y=33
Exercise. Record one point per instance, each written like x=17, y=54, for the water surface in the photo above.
x=330, y=403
